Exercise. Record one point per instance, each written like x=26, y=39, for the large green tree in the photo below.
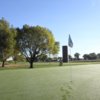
x=7, y=35
x=33, y=41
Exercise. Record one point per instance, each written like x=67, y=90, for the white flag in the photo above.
x=70, y=42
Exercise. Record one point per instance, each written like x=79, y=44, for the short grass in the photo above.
x=80, y=82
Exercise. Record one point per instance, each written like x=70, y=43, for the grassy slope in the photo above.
x=56, y=83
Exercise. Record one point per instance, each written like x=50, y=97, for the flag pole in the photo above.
x=69, y=54
x=70, y=66
x=70, y=45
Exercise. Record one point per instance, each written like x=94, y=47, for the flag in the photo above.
x=70, y=42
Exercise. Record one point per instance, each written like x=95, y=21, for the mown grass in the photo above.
x=80, y=82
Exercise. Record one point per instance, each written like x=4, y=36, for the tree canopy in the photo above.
x=77, y=56
x=55, y=48
x=7, y=42
x=33, y=41
x=91, y=56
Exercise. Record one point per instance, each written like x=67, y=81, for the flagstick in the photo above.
x=69, y=52
x=69, y=49
x=70, y=44
x=70, y=66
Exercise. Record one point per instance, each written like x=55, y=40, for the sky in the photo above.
x=79, y=18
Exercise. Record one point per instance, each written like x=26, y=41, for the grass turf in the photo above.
x=56, y=83
x=25, y=65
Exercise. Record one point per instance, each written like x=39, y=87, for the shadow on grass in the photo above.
x=66, y=91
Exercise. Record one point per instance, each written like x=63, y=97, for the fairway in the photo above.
x=80, y=82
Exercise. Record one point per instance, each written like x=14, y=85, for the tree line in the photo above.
x=90, y=56
x=32, y=42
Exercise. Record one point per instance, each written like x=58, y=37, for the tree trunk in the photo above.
x=15, y=61
x=3, y=63
x=31, y=64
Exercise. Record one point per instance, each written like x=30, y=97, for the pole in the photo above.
x=70, y=66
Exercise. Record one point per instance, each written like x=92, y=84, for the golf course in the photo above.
x=81, y=82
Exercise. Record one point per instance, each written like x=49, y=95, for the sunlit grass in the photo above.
x=79, y=82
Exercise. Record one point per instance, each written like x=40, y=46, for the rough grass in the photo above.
x=55, y=83
x=25, y=65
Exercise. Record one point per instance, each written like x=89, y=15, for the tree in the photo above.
x=33, y=41
x=16, y=53
x=7, y=35
x=98, y=55
x=18, y=58
x=86, y=56
x=77, y=56
x=55, y=49
x=70, y=57
x=92, y=56
x=42, y=57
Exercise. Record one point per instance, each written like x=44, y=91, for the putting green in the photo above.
x=56, y=83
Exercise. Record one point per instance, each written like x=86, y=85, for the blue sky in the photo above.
x=79, y=18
